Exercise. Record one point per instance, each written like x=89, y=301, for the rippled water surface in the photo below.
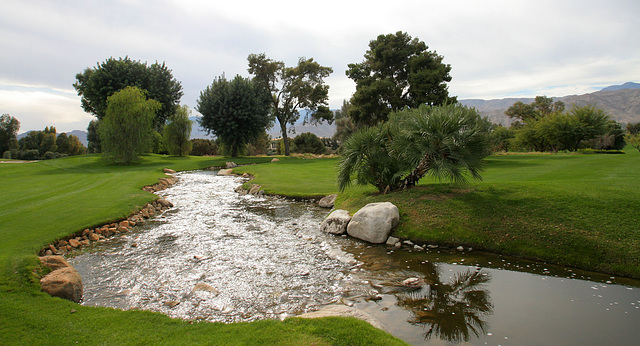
x=219, y=256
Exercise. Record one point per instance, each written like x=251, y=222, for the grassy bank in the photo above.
x=570, y=209
x=47, y=200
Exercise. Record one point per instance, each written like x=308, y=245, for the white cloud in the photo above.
x=496, y=48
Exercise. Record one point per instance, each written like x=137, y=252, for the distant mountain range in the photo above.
x=621, y=102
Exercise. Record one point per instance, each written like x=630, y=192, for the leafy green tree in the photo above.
x=178, y=132
x=446, y=142
x=633, y=128
x=74, y=146
x=236, y=111
x=127, y=126
x=542, y=106
x=95, y=85
x=259, y=145
x=501, y=137
x=93, y=137
x=398, y=72
x=308, y=143
x=633, y=139
x=9, y=127
x=293, y=89
x=48, y=140
x=345, y=126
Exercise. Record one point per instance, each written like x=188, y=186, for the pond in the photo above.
x=220, y=256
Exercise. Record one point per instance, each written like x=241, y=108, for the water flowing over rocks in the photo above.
x=259, y=257
x=374, y=222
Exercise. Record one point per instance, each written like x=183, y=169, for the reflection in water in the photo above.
x=451, y=310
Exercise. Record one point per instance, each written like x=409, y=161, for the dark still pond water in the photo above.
x=220, y=256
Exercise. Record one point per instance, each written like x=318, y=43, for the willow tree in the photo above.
x=293, y=89
x=126, y=129
x=177, y=132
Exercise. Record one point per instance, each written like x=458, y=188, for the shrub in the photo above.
x=6, y=155
x=203, y=147
x=308, y=143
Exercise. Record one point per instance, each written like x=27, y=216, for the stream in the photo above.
x=225, y=257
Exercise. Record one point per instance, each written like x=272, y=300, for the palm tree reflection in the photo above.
x=451, y=311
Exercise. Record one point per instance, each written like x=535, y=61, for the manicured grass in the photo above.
x=295, y=177
x=44, y=201
x=570, y=209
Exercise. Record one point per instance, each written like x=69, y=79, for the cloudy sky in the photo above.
x=496, y=48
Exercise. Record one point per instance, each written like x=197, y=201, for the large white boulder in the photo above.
x=374, y=222
x=336, y=222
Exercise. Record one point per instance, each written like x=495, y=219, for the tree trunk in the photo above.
x=412, y=179
x=283, y=128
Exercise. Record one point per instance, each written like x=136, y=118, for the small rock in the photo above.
x=391, y=241
x=413, y=282
x=225, y=171
x=431, y=246
x=201, y=286
x=231, y=165
x=328, y=201
x=275, y=160
x=134, y=244
x=418, y=247
x=171, y=303
x=164, y=203
x=398, y=245
x=408, y=242
x=460, y=248
x=255, y=189
x=74, y=243
x=94, y=237
x=169, y=170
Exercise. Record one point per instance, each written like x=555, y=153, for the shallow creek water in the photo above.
x=266, y=258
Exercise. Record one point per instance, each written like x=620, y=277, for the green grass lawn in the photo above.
x=44, y=201
x=579, y=210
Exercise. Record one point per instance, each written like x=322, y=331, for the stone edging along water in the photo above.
x=64, y=281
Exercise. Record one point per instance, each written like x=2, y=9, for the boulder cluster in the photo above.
x=373, y=223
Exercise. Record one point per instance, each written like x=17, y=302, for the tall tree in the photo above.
x=125, y=130
x=93, y=137
x=293, y=89
x=398, y=72
x=9, y=127
x=96, y=84
x=236, y=111
x=178, y=132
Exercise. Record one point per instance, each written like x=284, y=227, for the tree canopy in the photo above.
x=398, y=71
x=236, y=111
x=127, y=126
x=96, y=85
x=293, y=89
x=9, y=127
x=177, y=132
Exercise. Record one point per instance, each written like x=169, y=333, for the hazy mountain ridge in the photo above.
x=623, y=105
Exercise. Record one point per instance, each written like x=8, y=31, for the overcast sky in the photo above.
x=496, y=48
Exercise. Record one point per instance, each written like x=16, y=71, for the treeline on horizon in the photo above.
x=398, y=72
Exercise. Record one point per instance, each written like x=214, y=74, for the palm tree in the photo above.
x=444, y=142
